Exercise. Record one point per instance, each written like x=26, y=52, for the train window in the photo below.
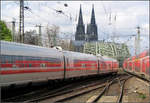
x=14, y=66
x=38, y=58
x=67, y=62
x=147, y=67
x=137, y=66
x=109, y=65
x=15, y=58
x=32, y=58
x=130, y=65
x=83, y=65
x=22, y=65
x=26, y=58
x=147, y=70
x=21, y=58
x=42, y=65
x=2, y=59
x=26, y=65
x=7, y=59
x=12, y=59
x=29, y=58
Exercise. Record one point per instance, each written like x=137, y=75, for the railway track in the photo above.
x=46, y=92
x=66, y=93
x=105, y=87
x=70, y=91
x=138, y=76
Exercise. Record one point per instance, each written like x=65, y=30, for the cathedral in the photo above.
x=81, y=35
x=86, y=41
x=91, y=32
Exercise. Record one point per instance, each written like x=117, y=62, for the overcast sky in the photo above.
x=129, y=15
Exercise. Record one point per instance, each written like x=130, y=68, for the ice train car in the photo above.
x=22, y=63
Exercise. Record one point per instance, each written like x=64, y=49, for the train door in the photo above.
x=98, y=67
x=102, y=66
x=67, y=63
x=116, y=65
x=143, y=65
x=130, y=65
x=125, y=65
x=64, y=59
x=105, y=65
x=133, y=65
x=112, y=66
x=109, y=66
x=147, y=66
x=137, y=65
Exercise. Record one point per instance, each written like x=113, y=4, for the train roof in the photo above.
x=128, y=58
x=12, y=48
x=105, y=58
x=109, y=58
x=33, y=50
x=79, y=55
x=143, y=54
x=133, y=57
x=19, y=44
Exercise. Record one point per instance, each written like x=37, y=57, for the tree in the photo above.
x=5, y=33
x=64, y=43
x=52, y=32
x=30, y=37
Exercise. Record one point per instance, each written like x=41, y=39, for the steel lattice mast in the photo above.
x=21, y=21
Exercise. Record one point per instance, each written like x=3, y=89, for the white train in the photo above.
x=22, y=63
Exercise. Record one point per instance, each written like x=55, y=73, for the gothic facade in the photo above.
x=91, y=32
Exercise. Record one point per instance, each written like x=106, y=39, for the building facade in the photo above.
x=91, y=32
x=81, y=35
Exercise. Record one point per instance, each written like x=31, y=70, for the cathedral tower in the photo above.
x=92, y=28
x=80, y=29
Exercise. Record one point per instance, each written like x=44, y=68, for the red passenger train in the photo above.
x=22, y=63
x=138, y=65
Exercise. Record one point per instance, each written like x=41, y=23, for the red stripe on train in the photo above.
x=6, y=65
x=28, y=71
x=33, y=61
x=30, y=65
x=3, y=72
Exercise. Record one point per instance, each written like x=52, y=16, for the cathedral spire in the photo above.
x=80, y=20
x=92, y=28
x=93, y=15
x=80, y=30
